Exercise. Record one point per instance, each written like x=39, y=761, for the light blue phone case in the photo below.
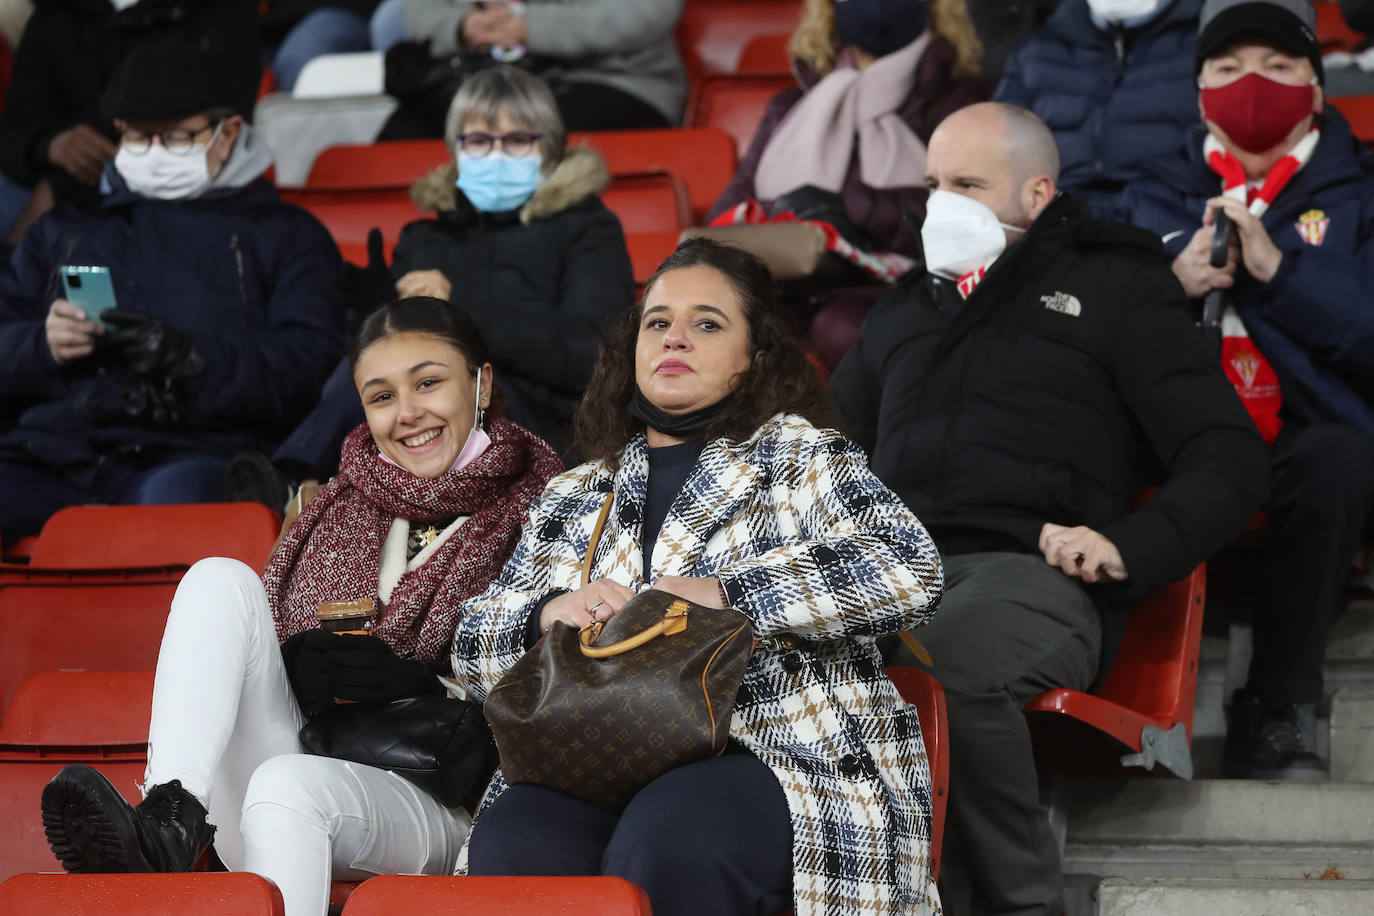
x=89, y=289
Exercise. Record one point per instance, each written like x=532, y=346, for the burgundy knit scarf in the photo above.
x=333, y=551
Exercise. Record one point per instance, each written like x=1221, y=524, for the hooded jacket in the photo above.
x=542, y=283
x=69, y=51
x=1116, y=98
x=1314, y=321
x=886, y=215
x=1072, y=375
x=249, y=277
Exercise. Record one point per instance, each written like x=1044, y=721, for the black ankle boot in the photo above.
x=92, y=829
x=1264, y=741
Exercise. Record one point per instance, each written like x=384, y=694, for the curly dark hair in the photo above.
x=781, y=378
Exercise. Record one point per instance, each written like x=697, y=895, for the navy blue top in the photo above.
x=669, y=468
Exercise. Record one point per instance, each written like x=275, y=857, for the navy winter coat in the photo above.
x=1314, y=321
x=1115, y=99
x=251, y=278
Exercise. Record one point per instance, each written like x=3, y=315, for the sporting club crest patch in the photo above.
x=1246, y=365
x=1311, y=226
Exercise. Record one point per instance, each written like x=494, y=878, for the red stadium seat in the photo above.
x=712, y=34
x=1332, y=32
x=97, y=627
x=221, y=894
x=99, y=718
x=393, y=895
x=922, y=690
x=391, y=165
x=704, y=158
x=116, y=537
x=736, y=104
x=1359, y=111
x=766, y=55
x=1143, y=714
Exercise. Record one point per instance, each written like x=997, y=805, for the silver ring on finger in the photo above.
x=592, y=609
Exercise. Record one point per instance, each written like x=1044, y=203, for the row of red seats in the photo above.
x=84, y=618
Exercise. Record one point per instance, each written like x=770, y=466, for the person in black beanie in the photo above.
x=54, y=135
x=222, y=324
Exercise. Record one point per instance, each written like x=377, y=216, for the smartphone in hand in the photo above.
x=89, y=289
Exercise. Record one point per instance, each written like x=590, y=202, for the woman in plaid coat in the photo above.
x=699, y=419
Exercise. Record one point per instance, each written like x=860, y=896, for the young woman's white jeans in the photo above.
x=225, y=723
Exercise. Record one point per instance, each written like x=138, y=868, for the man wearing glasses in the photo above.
x=188, y=317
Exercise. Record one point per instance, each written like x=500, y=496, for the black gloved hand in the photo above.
x=811, y=202
x=148, y=347
x=365, y=669
x=363, y=289
x=309, y=668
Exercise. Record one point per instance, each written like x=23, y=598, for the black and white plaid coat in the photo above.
x=806, y=541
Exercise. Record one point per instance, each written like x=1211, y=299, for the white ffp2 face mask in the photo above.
x=1122, y=10
x=164, y=175
x=960, y=235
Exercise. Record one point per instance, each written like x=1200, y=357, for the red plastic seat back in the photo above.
x=389, y=895
x=81, y=708
x=766, y=54
x=117, y=537
x=350, y=215
x=1155, y=673
x=1359, y=111
x=1332, y=32
x=391, y=165
x=204, y=894
x=920, y=688
x=703, y=157
x=736, y=104
x=712, y=34
x=96, y=627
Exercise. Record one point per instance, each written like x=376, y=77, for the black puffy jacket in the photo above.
x=542, y=283
x=1072, y=375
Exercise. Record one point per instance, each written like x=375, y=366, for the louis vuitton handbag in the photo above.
x=598, y=713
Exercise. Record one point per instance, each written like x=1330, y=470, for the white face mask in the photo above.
x=164, y=175
x=960, y=235
x=1122, y=10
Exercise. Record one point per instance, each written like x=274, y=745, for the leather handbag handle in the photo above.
x=674, y=620
x=596, y=536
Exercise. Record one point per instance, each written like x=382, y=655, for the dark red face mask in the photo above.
x=1255, y=111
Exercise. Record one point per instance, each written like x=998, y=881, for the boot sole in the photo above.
x=83, y=835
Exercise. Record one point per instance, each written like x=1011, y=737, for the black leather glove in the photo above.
x=811, y=202
x=363, y=289
x=308, y=667
x=146, y=346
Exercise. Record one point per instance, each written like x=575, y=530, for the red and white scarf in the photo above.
x=1251, y=374
x=333, y=551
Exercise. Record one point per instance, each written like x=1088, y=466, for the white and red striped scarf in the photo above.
x=1251, y=374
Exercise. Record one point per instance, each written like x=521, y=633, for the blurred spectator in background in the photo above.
x=522, y=244
x=295, y=32
x=1298, y=334
x=612, y=65
x=224, y=326
x=1114, y=80
x=1002, y=25
x=53, y=135
x=1352, y=72
x=847, y=147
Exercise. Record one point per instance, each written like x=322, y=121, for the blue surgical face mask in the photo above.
x=497, y=182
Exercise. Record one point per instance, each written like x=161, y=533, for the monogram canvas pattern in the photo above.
x=807, y=542
x=600, y=729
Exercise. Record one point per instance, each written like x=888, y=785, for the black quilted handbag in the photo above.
x=441, y=744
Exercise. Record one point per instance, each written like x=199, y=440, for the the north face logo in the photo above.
x=1063, y=302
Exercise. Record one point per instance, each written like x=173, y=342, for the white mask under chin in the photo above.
x=164, y=175
x=960, y=235
x=1122, y=10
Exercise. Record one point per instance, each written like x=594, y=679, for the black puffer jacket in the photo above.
x=1072, y=375
x=541, y=283
x=70, y=49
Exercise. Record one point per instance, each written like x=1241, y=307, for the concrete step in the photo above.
x=1220, y=828
x=1229, y=897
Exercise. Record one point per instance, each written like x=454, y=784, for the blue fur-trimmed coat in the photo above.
x=806, y=541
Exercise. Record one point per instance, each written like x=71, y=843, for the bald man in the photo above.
x=1011, y=391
